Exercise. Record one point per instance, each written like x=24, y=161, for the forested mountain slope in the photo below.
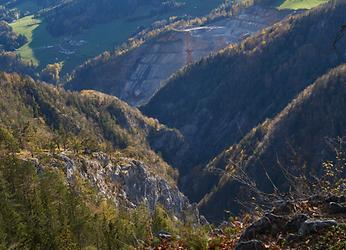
x=50, y=124
x=89, y=115
x=74, y=16
x=79, y=170
x=217, y=101
x=283, y=151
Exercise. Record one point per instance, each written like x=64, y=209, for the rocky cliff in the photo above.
x=126, y=181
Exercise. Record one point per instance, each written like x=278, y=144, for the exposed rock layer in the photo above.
x=127, y=182
x=136, y=76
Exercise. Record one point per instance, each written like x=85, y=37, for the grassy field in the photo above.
x=43, y=49
x=26, y=26
x=300, y=4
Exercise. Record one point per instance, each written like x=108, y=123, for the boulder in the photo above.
x=270, y=223
x=336, y=208
x=313, y=226
x=261, y=226
x=295, y=222
x=250, y=245
x=277, y=222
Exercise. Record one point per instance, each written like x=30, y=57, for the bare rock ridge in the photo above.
x=136, y=76
x=126, y=181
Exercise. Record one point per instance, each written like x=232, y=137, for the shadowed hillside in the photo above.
x=307, y=133
x=217, y=101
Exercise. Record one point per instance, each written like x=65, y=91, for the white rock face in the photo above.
x=136, y=76
x=129, y=183
x=159, y=59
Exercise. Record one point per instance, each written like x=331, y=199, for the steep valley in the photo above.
x=277, y=154
x=217, y=132
x=233, y=91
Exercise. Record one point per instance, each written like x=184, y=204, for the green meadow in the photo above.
x=300, y=4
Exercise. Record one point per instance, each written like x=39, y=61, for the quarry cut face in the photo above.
x=155, y=61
